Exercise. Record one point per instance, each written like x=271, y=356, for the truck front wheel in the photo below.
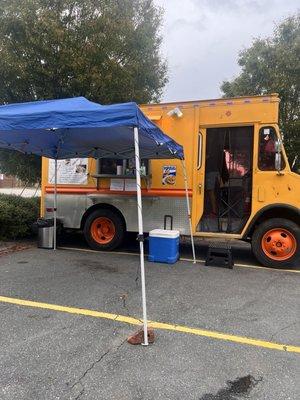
x=104, y=229
x=276, y=243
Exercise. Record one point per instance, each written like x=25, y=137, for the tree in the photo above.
x=273, y=66
x=24, y=167
x=106, y=50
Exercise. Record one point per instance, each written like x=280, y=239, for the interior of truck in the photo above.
x=228, y=179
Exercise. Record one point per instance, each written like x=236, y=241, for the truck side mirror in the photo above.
x=278, y=160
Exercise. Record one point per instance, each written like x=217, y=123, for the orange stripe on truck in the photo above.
x=145, y=192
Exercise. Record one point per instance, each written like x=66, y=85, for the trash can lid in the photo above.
x=45, y=222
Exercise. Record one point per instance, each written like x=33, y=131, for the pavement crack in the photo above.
x=123, y=297
x=81, y=391
x=125, y=306
x=283, y=329
x=121, y=344
x=116, y=328
x=79, y=380
x=89, y=369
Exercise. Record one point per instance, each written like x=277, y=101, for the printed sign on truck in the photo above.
x=169, y=175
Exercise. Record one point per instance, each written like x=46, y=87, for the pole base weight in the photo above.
x=138, y=337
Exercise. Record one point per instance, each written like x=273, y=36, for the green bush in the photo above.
x=17, y=215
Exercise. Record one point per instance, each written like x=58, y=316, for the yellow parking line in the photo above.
x=154, y=324
x=183, y=259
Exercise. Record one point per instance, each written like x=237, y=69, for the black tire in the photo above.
x=257, y=247
x=119, y=229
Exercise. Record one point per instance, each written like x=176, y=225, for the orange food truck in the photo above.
x=239, y=181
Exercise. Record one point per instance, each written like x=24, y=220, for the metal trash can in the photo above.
x=45, y=233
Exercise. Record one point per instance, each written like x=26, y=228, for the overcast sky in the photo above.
x=202, y=39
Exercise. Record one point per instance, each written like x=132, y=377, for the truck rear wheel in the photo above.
x=276, y=243
x=104, y=229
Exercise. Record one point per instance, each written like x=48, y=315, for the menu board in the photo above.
x=69, y=171
x=130, y=185
x=117, y=184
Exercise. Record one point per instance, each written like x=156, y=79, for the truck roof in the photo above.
x=272, y=97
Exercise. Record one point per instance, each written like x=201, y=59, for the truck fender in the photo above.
x=273, y=211
x=96, y=207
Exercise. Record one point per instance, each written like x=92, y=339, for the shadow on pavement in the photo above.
x=241, y=250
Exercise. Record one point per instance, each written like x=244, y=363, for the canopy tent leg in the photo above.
x=188, y=208
x=141, y=230
x=55, y=205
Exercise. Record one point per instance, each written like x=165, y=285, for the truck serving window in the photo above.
x=267, y=149
x=110, y=166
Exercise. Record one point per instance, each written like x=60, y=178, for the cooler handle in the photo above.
x=165, y=221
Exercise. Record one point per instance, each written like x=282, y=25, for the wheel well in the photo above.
x=97, y=206
x=290, y=213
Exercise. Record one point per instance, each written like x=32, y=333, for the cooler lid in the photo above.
x=164, y=233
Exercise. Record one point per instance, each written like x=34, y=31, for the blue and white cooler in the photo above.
x=163, y=246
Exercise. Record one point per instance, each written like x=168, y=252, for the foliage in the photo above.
x=17, y=214
x=106, y=50
x=273, y=66
x=27, y=168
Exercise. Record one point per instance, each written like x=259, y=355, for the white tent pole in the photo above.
x=141, y=231
x=55, y=205
x=188, y=208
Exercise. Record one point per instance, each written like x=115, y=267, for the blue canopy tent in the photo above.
x=68, y=128
x=77, y=127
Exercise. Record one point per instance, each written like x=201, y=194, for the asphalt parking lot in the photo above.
x=231, y=334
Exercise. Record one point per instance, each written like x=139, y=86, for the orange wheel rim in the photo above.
x=279, y=244
x=103, y=230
